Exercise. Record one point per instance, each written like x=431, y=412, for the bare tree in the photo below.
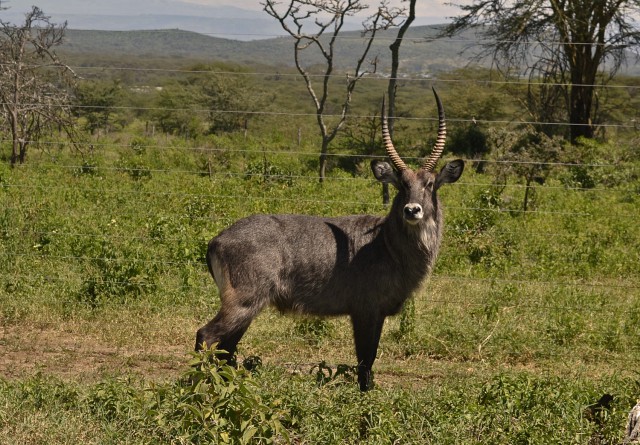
x=326, y=18
x=34, y=83
x=563, y=44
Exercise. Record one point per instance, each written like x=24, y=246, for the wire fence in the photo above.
x=436, y=279
x=629, y=285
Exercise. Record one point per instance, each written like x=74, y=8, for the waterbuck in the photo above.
x=362, y=266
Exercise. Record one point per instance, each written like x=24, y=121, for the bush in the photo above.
x=215, y=403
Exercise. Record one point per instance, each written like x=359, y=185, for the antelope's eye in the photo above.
x=429, y=184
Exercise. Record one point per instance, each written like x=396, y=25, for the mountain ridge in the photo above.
x=421, y=54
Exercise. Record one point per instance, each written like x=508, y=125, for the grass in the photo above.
x=529, y=316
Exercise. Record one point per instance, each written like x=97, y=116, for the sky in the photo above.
x=424, y=8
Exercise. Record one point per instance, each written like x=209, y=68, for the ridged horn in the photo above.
x=430, y=163
x=397, y=162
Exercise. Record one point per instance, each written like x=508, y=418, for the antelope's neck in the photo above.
x=414, y=247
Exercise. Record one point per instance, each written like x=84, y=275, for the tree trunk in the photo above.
x=393, y=81
x=23, y=152
x=14, y=153
x=323, y=160
x=15, y=147
x=581, y=98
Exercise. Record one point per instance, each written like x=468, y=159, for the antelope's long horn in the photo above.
x=430, y=163
x=397, y=162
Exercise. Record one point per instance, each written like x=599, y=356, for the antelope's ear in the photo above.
x=384, y=172
x=450, y=173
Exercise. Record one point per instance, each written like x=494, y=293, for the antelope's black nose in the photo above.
x=413, y=211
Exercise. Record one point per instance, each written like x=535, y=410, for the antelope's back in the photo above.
x=303, y=263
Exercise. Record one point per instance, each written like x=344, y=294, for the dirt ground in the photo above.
x=25, y=350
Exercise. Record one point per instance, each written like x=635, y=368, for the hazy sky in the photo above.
x=424, y=8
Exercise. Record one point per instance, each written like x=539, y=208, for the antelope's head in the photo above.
x=416, y=198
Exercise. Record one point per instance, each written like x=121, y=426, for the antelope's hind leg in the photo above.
x=238, y=309
x=225, y=330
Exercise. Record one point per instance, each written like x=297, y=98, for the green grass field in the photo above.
x=528, y=318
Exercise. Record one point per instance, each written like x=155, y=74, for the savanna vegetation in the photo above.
x=531, y=316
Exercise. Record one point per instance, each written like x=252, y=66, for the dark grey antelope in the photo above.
x=362, y=266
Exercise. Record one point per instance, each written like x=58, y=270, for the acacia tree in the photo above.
x=33, y=82
x=230, y=101
x=96, y=100
x=326, y=19
x=562, y=45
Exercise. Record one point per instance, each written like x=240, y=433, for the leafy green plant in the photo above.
x=116, y=399
x=216, y=403
x=313, y=329
x=118, y=272
x=408, y=318
x=324, y=374
x=265, y=171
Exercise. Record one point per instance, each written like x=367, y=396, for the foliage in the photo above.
x=470, y=141
x=179, y=113
x=508, y=408
x=218, y=96
x=527, y=319
x=231, y=98
x=313, y=329
x=529, y=155
x=215, y=403
x=483, y=359
x=95, y=102
x=573, y=40
x=116, y=273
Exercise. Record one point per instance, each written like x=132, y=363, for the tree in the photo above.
x=230, y=96
x=562, y=45
x=178, y=110
x=395, y=63
x=96, y=100
x=525, y=153
x=328, y=17
x=34, y=83
x=393, y=81
x=224, y=91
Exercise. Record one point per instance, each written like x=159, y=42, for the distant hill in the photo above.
x=126, y=15
x=419, y=54
x=223, y=27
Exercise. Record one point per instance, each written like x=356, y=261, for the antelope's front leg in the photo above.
x=366, y=332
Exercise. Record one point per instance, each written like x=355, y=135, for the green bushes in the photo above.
x=115, y=274
x=215, y=403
